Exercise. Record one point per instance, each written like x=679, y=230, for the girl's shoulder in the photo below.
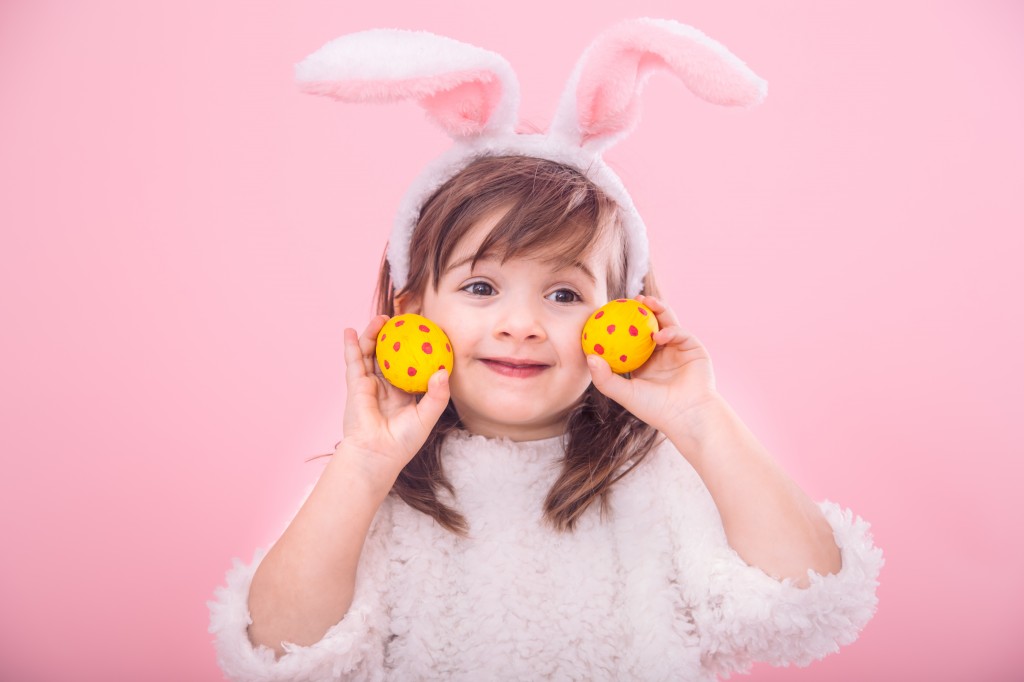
x=664, y=488
x=665, y=466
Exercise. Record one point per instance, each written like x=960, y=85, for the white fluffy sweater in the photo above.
x=653, y=593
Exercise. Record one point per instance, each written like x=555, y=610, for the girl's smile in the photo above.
x=515, y=329
x=512, y=367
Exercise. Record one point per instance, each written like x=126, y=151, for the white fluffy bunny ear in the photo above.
x=466, y=90
x=601, y=102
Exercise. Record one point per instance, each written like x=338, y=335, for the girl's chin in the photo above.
x=519, y=422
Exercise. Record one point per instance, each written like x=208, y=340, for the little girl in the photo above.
x=534, y=515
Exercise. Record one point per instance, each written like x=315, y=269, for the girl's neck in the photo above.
x=518, y=435
x=478, y=424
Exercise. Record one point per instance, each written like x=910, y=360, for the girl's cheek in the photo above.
x=459, y=337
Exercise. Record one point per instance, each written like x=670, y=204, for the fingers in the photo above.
x=670, y=331
x=608, y=382
x=433, y=402
x=676, y=336
x=368, y=342
x=355, y=367
x=360, y=350
x=666, y=317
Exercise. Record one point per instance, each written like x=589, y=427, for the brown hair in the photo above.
x=555, y=212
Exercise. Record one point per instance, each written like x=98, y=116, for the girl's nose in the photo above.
x=521, y=323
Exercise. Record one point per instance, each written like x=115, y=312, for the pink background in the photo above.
x=184, y=237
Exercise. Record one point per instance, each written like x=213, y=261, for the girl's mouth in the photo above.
x=512, y=368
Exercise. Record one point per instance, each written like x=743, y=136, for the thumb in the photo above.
x=612, y=385
x=433, y=403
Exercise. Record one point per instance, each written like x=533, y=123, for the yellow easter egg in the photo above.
x=410, y=348
x=621, y=332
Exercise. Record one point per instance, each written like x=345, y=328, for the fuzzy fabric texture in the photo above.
x=654, y=592
x=601, y=102
x=473, y=95
x=390, y=65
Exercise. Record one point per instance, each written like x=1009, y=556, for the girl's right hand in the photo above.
x=384, y=426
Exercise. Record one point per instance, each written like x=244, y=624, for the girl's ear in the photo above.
x=407, y=303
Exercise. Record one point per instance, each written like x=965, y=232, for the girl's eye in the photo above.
x=565, y=296
x=479, y=289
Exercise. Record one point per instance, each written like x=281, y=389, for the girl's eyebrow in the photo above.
x=467, y=259
x=582, y=267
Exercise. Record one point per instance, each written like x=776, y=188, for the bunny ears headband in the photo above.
x=473, y=95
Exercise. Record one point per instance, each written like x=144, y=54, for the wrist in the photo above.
x=372, y=471
x=697, y=419
x=694, y=427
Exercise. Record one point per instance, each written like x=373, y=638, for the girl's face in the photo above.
x=515, y=330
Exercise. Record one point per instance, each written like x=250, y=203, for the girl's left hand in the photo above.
x=669, y=389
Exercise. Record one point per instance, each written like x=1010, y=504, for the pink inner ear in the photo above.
x=465, y=109
x=607, y=96
x=461, y=102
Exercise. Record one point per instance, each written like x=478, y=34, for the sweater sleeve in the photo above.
x=745, y=615
x=742, y=614
x=353, y=648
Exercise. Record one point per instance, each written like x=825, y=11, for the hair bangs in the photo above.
x=520, y=234
x=555, y=215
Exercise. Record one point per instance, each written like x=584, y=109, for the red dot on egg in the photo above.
x=633, y=330
x=424, y=328
x=642, y=311
x=599, y=349
x=622, y=358
x=383, y=336
x=398, y=344
x=598, y=315
x=399, y=323
x=441, y=367
x=387, y=365
x=620, y=300
x=427, y=348
x=611, y=329
x=412, y=371
x=584, y=336
x=448, y=348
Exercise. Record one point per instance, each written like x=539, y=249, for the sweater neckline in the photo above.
x=540, y=449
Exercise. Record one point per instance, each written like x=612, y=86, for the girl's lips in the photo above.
x=513, y=370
